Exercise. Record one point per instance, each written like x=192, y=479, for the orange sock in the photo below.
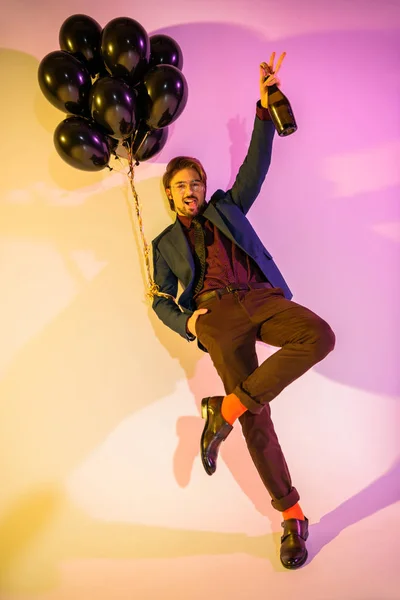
x=232, y=408
x=294, y=512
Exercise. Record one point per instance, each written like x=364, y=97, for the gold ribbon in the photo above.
x=153, y=288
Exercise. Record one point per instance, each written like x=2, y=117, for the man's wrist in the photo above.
x=262, y=112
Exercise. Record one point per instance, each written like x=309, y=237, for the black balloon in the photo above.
x=82, y=145
x=112, y=105
x=164, y=50
x=164, y=97
x=141, y=101
x=81, y=35
x=113, y=144
x=65, y=82
x=148, y=142
x=125, y=48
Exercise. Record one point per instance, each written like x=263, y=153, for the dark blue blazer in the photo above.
x=172, y=258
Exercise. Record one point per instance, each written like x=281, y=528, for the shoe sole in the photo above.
x=204, y=415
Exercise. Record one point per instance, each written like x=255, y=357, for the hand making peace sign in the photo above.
x=268, y=77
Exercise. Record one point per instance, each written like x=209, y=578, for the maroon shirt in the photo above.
x=226, y=263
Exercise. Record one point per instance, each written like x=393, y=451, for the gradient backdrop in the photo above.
x=102, y=492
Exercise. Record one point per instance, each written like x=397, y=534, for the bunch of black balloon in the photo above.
x=121, y=88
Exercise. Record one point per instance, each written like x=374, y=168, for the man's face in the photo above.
x=188, y=192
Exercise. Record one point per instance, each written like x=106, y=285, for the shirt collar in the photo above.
x=186, y=221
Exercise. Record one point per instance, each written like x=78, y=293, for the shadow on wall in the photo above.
x=67, y=534
x=329, y=209
x=67, y=403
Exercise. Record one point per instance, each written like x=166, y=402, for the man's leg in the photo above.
x=230, y=337
x=268, y=458
x=303, y=337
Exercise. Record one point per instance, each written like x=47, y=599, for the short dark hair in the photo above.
x=177, y=164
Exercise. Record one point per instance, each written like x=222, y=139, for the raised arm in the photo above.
x=255, y=166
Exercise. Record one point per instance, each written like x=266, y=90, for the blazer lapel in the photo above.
x=214, y=216
x=176, y=239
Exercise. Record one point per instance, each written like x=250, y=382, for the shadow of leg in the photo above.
x=188, y=430
x=378, y=495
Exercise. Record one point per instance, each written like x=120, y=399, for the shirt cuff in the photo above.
x=262, y=113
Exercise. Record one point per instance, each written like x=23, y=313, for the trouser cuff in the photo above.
x=286, y=502
x=247, y=401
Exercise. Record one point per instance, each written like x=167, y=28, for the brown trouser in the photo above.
x=229, y=332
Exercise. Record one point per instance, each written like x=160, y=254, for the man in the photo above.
x=233, y=295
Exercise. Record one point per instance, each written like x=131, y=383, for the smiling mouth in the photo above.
x=191, y=201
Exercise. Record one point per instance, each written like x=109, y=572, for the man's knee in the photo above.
x=325, y=339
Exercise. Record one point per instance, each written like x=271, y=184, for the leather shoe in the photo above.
x=293, y=543
x=215, y=431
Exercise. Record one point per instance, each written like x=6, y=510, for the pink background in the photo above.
x=103, y=494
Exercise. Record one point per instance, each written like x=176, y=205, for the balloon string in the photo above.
x=146, y=135
x=153, y=288
x=136, y=132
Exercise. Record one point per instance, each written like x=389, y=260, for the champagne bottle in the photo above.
x=281, y=112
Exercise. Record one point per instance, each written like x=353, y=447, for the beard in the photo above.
x=192, y=206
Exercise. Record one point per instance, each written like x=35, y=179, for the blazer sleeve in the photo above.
x=166, y=309
x=255, y=166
